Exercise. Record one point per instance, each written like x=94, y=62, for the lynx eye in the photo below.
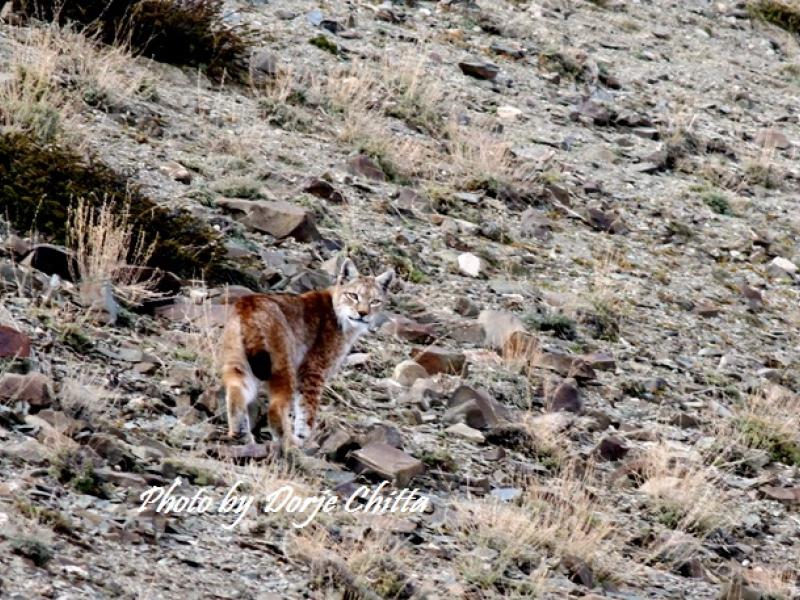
x=375, y=302
x=351, y=296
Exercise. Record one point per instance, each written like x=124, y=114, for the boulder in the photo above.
x=499, y=326
x=440, y=360
x=408, y=371
x=479, y=69
x=564, y=396
x=34, y=388
x=278, y=218
x=52, y=260
x=13, y=343
x=475, y=407
x=363, y=166
x=470, y=265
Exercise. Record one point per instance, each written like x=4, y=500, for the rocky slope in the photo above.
x=589, y=365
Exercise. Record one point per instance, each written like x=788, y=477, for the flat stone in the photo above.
x=409, y=330
x=384, y=434
x=467, y=333
x=564, y=364
x=601, y=361
x=337, y=444
x=206, y=315
x=29, y=451
x=465, y=431
x=506, y=494
x=790, y=495
x=389, y=463
x=508, y=113
x=322, y=189
x=251, y=451
x=263, y=65
x=176, y=171
x=782, y=267
x=466, y=307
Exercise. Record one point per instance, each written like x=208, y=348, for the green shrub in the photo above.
x=180, y=32
x=759, y=433
x=559, y=325
x=322, y=42
x=39, y=183
x=718, y=203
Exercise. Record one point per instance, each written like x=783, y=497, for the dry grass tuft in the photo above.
x=57, y=71
x=553, y=521
x=367, y=565
x=770, y=421
x=104, y=242
x=682, y=494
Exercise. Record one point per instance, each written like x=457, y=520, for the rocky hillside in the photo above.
x=589, y=364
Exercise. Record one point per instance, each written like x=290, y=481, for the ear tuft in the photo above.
x=347, y=272
x=384, y=280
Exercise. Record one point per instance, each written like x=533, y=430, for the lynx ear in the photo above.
x=347, y=272
x=384, y=280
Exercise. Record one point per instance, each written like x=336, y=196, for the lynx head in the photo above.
x=357, y=299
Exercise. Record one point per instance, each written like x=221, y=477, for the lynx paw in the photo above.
x=244, y=438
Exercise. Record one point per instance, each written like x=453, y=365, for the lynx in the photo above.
x=296, y=344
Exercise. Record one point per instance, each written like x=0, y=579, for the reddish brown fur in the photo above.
x=297, y=342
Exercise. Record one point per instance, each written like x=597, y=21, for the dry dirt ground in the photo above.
x=622, y=193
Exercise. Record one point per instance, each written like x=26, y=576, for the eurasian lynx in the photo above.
x=295, y=344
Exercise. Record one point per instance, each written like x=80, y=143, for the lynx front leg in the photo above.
x=305, y=409
x=241, y=389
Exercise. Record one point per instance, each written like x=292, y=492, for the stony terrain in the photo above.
x=592, y=210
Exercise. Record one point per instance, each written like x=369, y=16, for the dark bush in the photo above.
x=38, y=184
x=785, y=14
x=180, y=32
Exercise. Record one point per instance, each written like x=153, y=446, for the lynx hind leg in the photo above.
x=281, y=392
x=241, y=389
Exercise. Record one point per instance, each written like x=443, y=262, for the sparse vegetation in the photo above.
x=193, y=33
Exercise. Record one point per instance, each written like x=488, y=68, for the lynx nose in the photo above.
x=362, y=311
